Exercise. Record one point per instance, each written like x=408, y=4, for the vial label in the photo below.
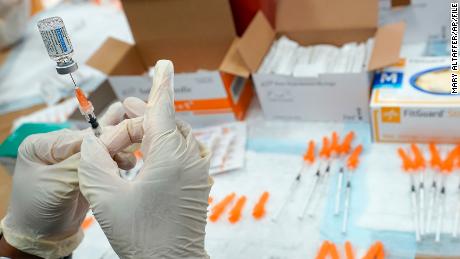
x=57, y=42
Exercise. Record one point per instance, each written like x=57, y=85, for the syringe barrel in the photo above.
x=57, y=43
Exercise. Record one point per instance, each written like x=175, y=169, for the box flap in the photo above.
x=116, y=57
x=334, y=37
x=387, y=45
x=194, y=34
x=256, y=41
x=233, y=63
x=297, y=15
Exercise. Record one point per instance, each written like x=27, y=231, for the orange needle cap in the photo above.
x=407, y=163
x=323, y=251
x=309, y=156
x=259, y=209
x=346, y=144
x=349, y=250
x=235, y=213
x=325, y=149
x=219, y=208
x=335, y=146
x=419, y=159
x=353, y=160
x=448, y=164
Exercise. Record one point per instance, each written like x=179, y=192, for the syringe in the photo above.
x=87, y=110
x=308, y=158
x=59, y=47
x=409, y=166
x=352, y=164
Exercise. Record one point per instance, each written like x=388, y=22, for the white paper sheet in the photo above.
x=227, y=143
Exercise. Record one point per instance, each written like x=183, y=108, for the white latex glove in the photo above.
x=46, y=207
x=162, y=212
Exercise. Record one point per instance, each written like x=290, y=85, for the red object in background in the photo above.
x=244, y=10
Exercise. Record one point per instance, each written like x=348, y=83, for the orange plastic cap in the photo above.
x=353, y=159
x=309, y=156
x=335, y=146
x=407, y=163
x=220, y=207
x=325, y=149
x=235, y=213
x=346, y=144
x=448, y=164
x=418, y=156
x=259, y=209
x=323, y=250
x=349, y=250
x=333, y=251
x=435, y=161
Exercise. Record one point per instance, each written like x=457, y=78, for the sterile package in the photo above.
x=316, y=64
x=227, y=143
x=287, y=57
x=412, y=101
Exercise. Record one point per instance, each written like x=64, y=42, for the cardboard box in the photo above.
x=328, y=97
x=211, y=82
x=411, y=102
x=5, y=190
x=425, y=19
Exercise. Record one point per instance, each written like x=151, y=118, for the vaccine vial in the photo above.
x=57, y=43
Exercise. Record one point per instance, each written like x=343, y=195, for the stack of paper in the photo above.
x=227, y=143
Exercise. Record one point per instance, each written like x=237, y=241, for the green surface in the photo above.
x=9, y=147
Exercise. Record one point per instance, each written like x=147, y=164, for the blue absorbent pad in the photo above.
x=399, y=245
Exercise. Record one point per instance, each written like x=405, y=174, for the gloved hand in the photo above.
x=162, y=212
x=46, y=207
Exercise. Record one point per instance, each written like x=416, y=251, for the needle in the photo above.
x=342, y=150
x=415, y=208
x=325, y=154
x=310, y=194
x=73, y=80
x=352, y=164
x=339, y=191
x=322, y=191
x=409, y=166
x=308, y=158
x=433, y=196
x=457, y=212
x=441, y=204
x=435, y=163
x=420, y=162
x=446, y=168
x=457, y=217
